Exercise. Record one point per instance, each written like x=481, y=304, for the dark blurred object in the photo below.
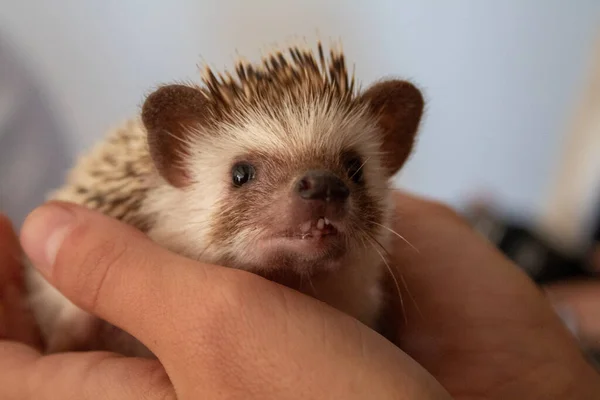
x=596, y=234
x=543, y=260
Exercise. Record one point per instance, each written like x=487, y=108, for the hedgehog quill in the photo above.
x=282, y=170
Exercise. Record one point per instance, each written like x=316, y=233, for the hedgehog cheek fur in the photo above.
x=304, y=216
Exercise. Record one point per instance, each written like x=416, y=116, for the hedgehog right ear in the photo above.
x=398, y=106
x=169, y=114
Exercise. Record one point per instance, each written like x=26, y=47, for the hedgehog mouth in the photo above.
x=313, y=229
x=313, y=246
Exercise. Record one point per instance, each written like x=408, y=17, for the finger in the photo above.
x=466, y=303
x=16, y=320
x=24, y=375
x=578, y=303
x=114, y=271
x=10, y=253
x=453, y=268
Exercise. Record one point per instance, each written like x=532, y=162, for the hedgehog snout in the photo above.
x=320, y=194
x=319, y=185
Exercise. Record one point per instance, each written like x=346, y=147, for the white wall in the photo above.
x=501, y=76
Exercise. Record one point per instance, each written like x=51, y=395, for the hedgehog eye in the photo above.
x=354, y=168
x=242, y=173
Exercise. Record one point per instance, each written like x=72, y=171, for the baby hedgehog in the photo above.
x=282, y=170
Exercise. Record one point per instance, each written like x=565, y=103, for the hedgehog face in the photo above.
x=286, y=171
x=297, y=191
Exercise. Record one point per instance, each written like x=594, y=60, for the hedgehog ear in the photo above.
x=168, y=114
x=398, y=106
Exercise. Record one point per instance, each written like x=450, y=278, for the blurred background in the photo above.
x=512, y=132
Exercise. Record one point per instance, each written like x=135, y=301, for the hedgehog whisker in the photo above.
x=310, y=282
x=199, y=257
x=391, y=274
x=359, y=168
x=362, y=240
x=401, y=278
x=397, y=234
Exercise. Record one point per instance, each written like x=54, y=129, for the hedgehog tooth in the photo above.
x=305, y=227
x=320, y=223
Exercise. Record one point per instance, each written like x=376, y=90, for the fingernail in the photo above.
x=43, y=233
x=568, y=318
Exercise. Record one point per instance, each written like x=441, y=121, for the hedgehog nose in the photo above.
x=322, y=185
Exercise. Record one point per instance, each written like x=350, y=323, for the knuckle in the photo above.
x=234, y=308
x=89, y=264
x=99, y=264
x=158, y=384
x=233, y=297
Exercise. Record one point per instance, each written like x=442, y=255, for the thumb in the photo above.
x=114, y=271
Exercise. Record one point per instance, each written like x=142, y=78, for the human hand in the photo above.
x=217, y=332
x=579, y=303
x=491, y=334
x=480, y=325
x=15, y=322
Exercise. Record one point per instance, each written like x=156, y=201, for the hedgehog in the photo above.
x=282, y=168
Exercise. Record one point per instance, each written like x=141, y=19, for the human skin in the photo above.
x=579, y=301
x=482, y=329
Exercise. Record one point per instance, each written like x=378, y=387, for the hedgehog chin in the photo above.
x=293, y=275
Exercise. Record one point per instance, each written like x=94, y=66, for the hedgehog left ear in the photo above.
x=398, y=106
x=169, y=114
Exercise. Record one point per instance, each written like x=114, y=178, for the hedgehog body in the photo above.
x=283, y=171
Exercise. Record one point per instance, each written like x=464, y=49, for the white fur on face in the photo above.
x=185, y=215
